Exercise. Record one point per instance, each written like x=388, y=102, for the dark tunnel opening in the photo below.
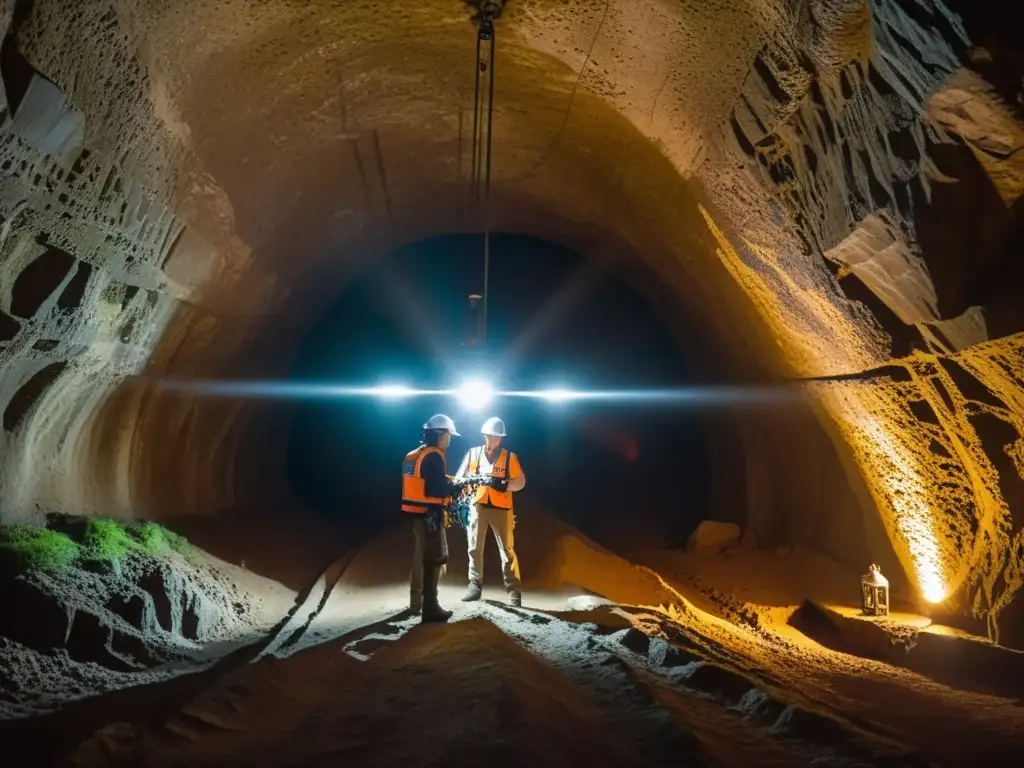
x=612, y=469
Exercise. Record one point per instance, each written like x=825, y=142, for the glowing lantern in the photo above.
x=874, y=592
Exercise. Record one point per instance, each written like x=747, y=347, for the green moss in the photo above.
x=156, y=540
x=37, y=549
x=106, y=540
x=111, y=540
x=88, y=540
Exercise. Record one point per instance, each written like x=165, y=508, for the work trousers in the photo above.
x=429, y=549
x=502, y=522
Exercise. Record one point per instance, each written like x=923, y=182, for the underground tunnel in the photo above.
x=821, y=198
x=406, y=320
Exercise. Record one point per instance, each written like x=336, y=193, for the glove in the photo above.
x=498, y=483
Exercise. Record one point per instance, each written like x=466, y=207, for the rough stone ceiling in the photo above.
x=816, y=188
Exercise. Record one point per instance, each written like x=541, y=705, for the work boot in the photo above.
x=432, y=610
x=474, y=592
x=515, y=598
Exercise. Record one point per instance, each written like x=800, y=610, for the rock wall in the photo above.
x=102, y=286
x=878, y=189
x=827, y=190
x=86, y=631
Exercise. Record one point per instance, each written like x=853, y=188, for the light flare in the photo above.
x=476, y=393
x=556, y=395
x=934, y=593
x=395, y=391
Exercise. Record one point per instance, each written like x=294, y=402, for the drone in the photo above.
x=486, y=11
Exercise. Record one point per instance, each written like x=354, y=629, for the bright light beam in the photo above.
x=696, y=396
x=277, y=390
x=395, y=391
x=556, y=395
x=475, y=394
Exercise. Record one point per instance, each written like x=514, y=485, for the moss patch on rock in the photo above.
x=155, y=539
x=37, y=549
x=68, y=540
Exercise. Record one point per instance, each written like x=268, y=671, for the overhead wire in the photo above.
x=572, y=97
x=482, y=141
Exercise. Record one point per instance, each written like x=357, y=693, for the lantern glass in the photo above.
x=874, y=592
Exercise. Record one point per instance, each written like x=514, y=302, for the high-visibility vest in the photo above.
x=414, y=490
x=491, y=496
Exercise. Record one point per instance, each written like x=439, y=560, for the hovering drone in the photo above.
x=486, y=11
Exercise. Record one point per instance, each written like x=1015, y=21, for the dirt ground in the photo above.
x=607, y=662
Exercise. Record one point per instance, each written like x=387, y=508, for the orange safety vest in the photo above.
x=491, y=496
x=414, y=491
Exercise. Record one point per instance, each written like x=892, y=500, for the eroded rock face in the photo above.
x=897, y=167
x=832, y=189
x=141, y=619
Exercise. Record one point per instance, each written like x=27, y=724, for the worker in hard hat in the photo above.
x=425, y=489
x=492, y=508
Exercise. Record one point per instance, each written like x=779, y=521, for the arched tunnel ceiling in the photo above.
x=827, y=189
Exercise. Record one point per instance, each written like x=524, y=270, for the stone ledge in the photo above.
x=945, y=655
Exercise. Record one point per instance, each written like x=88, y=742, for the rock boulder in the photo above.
x=712, y=536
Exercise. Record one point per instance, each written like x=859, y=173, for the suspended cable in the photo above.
x=487, y=12
x=542, y=158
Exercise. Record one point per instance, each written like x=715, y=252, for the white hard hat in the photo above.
x=441, y=423
x=493, y=426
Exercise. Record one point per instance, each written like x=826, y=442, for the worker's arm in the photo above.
x=463, y=467
x=435, y=481
x=516, y=477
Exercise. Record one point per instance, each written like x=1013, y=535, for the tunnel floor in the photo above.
x=607, y=661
